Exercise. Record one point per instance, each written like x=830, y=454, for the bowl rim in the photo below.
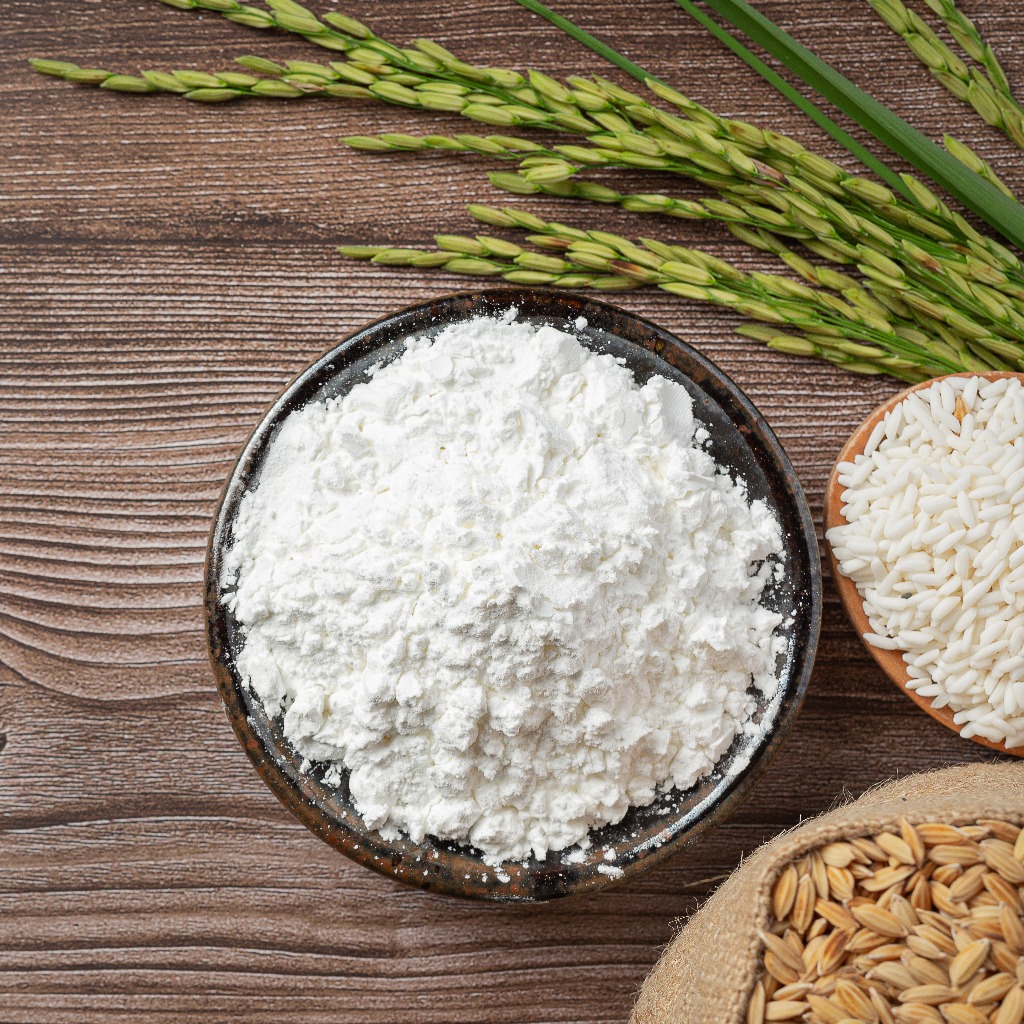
x=891, y=662
x=392, y=858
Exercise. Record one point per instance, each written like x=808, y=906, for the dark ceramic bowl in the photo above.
x=740, y=439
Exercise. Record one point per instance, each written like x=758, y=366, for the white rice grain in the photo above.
x=934, y=541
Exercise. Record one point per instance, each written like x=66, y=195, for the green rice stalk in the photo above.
x=591, y=258
x=986, y=90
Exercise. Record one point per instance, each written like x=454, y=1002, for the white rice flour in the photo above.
x=506, y=588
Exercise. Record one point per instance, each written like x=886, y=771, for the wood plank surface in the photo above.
x=165, y=268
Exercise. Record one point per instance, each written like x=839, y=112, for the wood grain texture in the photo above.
x=164, y=270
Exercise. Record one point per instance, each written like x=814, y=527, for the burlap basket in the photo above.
x=707, y=973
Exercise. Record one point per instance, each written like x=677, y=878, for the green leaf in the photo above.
x=591, y=42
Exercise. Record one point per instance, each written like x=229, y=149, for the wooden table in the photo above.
x=167, y=268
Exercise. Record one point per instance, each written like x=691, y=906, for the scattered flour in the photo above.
x=506, y=588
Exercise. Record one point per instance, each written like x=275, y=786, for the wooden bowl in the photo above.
x=891, y=662
x=740, y=440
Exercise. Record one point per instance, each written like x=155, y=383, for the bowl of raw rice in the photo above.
x=924, y=517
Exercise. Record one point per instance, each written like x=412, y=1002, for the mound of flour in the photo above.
x=506, y=588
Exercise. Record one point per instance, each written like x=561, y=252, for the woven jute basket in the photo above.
x=708, y=972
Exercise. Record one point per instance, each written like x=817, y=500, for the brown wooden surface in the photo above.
x=166, y=268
